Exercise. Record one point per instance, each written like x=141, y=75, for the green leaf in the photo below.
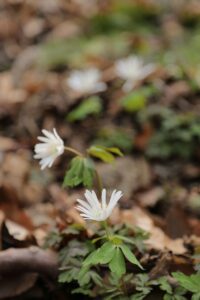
x=106, y=252
x=138, y=296
x=137, y=100
x=134, y=101
x=68, y=275
x=195, y=296
x=86, y=275
x=117, y=264
x=103, y=255
x=90, y=106
x=164, y=285
x=92, y=258
x=168, y=297
x=96, y=278
x=53, y=239
x=190, y=283
x=88, y=172
x=115, y=150
x=101, y=153
x=73, y=176
x=130, y=256
x=81, y=171
x=85, y=290
x=104, y=153
x=83, y=276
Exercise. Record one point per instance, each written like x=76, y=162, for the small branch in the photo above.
x=32, y=259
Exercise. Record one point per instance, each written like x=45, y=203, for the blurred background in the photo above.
x=115, y=73
x=148, y=106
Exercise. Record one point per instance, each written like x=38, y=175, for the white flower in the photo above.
x=132, y=70
x=86, y=82
x=92, y=209
x=50, y=149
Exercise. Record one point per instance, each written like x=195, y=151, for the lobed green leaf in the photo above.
x=130, y=256
x=117, y=264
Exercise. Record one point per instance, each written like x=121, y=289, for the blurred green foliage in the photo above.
x=75, y=51
x=106, y=154
x=90, y=106
x=137, y=99
x=109, y=137
x=126, y=16
x=176, y=134
x=81, y=171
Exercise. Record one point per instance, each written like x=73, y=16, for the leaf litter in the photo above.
x=159, y=177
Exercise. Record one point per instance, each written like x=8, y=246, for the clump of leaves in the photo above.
x=82, y=169
x=109, y=268
x=95, y=266
x=171, y=293
x=126, y=16
x=178, y=134
x=189, y=283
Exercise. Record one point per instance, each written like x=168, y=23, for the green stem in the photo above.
x=69, y=149
x=105, y=225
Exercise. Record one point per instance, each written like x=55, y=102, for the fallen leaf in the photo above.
x=138, y=217
x=127, y=174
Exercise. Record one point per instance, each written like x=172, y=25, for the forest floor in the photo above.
x=156, y=125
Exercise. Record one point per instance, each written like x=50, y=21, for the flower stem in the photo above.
x=69, y=149
x=105, y=225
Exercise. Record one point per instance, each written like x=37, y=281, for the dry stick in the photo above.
x=32, y=259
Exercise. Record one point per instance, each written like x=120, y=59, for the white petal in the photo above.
x=103, y=199
x=84, y=204
x=48, y=161
x=43, y=139
x=113, y=201
x=87, y=216
x=49, y=134
x=83, y=209
x=57, y=136
x=92, y=199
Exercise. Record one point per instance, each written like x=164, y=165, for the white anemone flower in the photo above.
x=132, y=70
x=86, y=81
x=51, y=147
x=93, y=209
